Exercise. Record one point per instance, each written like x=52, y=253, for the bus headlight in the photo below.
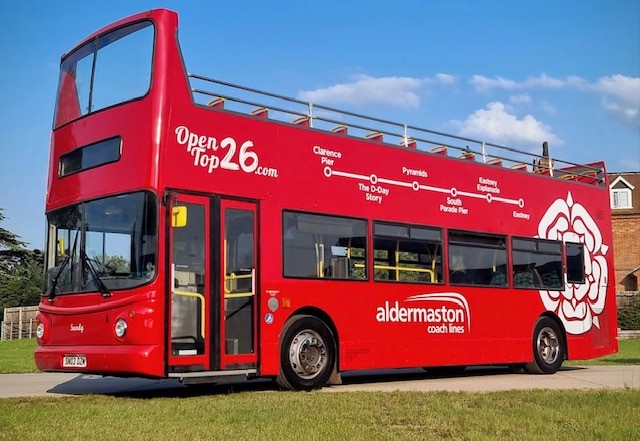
x=40, y=330
x=120, y=328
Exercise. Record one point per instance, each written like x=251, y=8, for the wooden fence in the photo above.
x=19, y=323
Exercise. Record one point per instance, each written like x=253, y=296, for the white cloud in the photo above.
x=395, y=91
x=621, y=93
x=482, y=83
x=625, y=93
x=626, y=89
x=445, y=79
x=625, y=114
x=495, y=123
x=520, y=99
x=544, y=81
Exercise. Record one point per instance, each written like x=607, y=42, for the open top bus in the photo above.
x=206, y=231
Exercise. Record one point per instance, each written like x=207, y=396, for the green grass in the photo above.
x=16, y=356
x=208, y=413
x=318, y=416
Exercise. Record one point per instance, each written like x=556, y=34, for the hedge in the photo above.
x=629, y=315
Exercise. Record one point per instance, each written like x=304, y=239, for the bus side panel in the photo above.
x=601, y=340
x=377, y=327
x=293, y=168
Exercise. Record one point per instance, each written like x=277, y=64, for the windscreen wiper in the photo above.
x=54, y=282
x=52, y=289
x=101, y=286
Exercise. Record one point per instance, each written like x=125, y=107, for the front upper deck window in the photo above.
x=108, y=70
x=102, y=245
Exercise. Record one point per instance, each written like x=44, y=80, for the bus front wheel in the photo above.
x=307, y=354
x=548, y=347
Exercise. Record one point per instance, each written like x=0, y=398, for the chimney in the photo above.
x=545, y=149
x=544, y=164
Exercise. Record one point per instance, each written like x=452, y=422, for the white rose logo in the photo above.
x=579, y=305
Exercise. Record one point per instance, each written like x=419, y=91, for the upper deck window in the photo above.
x=108, y=70
x=90, y=156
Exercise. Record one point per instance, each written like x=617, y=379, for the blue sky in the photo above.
x=516, y=73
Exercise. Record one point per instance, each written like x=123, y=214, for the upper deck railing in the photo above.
x=220, y=94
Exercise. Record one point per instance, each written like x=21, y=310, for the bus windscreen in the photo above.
x=116, y=247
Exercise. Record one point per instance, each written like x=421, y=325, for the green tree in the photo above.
x=118, y=264
x=9, y=240
x=21, y=271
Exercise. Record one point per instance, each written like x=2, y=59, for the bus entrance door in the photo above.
x=213, y=284
x=238, y=285
x=190, y=347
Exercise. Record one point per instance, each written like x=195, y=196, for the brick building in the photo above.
x=625, y=213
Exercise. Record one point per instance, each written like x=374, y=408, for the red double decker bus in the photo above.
x=203, y=231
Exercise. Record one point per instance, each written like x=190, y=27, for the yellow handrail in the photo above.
x=199, y=296
x=397, y=269
x=227, y=286
x=401, y=268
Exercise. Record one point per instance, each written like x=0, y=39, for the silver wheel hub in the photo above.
x=548, y=345
x=307, y=354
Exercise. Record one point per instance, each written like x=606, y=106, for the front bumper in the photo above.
x=124, y=360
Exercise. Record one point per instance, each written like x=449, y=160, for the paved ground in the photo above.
x=472, y=380
x=497, y=379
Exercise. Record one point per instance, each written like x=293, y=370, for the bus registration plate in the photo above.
x=74, y=361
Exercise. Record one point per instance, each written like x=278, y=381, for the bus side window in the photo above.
x=405, y=253
x=477, y=259
x=575, y=262
x=324, y=247
x=457, y=269
x=537, y=263
x=499, y=276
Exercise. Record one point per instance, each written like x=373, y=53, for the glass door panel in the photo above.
x=189, y=281
x=239, y=284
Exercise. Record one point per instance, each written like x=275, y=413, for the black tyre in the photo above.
x=307, y=354
x=549, y=349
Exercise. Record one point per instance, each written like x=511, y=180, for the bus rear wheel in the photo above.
x=307, y=354
x=548, y=347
